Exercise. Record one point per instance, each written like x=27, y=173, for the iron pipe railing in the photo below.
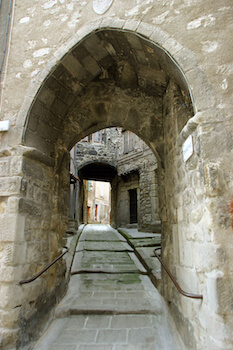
x=45, y=269
x=188, y=295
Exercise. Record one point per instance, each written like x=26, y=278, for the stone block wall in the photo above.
x=141, y=160
x=184, y=218
x=126, y=183
x=149, y=200
x=31, y=237
x=191, y=247
x=45, y=225
x=104, y=151
x=12, y=246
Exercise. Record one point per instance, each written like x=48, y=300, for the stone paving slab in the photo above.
x=105, y=262
x=134, y=233
x=151, y=241
x=105, y=332
x=144, y=246
x=100, y=233
x=119, y=293
x=115, y=309
x=103, y=245
x=152, y=262
x=137, y=238
x=105, y=256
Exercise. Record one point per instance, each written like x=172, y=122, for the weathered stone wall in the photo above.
x=31, y=237
x=45, y=210
x=148, y=211
x=193, y=250
x=58, y=21
x=141, y=160
x=104, y=151
x=13, y=245
x=126, y=183
x=182, y=185
x=149, y=200
x=38, y=87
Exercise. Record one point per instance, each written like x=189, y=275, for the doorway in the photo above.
x=133, y=208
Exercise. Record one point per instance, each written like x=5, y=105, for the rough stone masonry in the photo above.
x=161, y=69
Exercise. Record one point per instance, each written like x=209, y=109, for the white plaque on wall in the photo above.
x=4, y=125
x=101, y=6
x=187, y=148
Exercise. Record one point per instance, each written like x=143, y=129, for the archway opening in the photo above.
x=109, y=61
x=112, y=78
x=121, y=158
x=98, y=202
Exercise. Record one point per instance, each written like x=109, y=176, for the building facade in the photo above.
x=134, y=188
x=98, y=202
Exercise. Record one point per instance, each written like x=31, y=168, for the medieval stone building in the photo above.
x=160, y=69
x=133, y=177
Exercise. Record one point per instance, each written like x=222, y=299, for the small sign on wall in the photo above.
x=4, y=125
x=187, y=148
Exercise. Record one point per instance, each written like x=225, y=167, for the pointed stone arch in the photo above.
x=100, y=79
x=184, y=60
x=185, y=65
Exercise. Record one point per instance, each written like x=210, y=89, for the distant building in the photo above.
x=98, y=202
x=134, y=186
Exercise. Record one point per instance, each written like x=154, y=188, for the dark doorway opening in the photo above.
x=88, y=213
x=133, y=206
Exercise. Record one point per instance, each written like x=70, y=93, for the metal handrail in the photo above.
x=189, y=295
x=45, y=269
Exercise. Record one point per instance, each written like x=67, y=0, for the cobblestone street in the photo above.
x=111, y=302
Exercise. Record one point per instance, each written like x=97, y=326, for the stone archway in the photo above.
x=103, y=81
x=96, y=171
x=110, y=78
x=115, y=56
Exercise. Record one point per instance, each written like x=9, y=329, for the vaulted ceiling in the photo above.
x=125, y=58
x=97, y=171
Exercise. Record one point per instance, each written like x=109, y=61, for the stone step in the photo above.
x=111, y=302
x=126, y=299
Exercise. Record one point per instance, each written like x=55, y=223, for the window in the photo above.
x=89, y=185
x=128, y=141
x=87, y=138
x=97, y=136
x=102, y=185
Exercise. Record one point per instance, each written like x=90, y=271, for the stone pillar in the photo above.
x=12, y=247
x=33, y=222
x=149, y=202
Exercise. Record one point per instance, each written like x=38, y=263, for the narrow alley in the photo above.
x=111, y=302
